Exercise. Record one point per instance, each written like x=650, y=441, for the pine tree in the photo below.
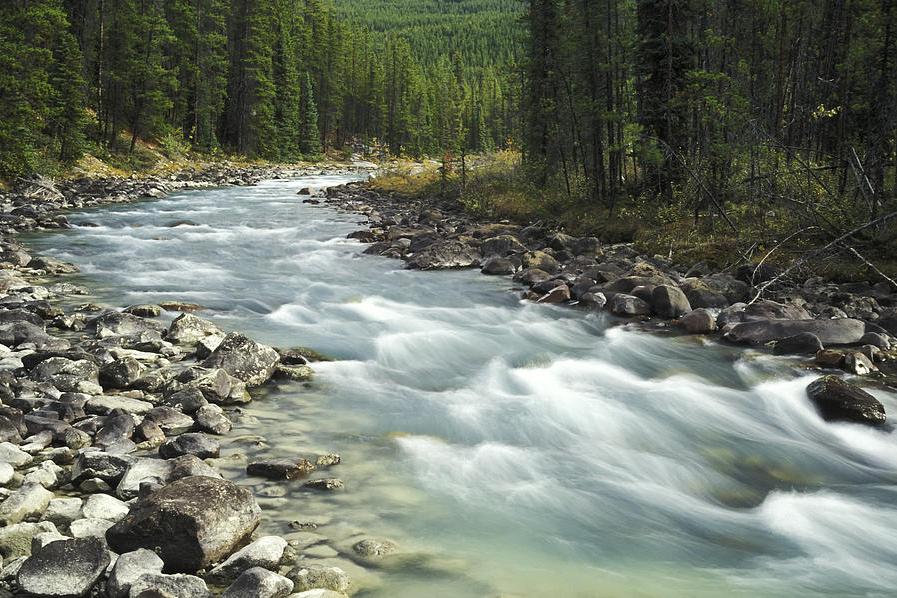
x=310, y=136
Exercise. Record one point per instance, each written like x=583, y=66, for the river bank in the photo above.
x=110, y=414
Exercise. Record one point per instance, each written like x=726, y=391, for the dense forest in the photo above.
x=276, y=79
x=783, y=112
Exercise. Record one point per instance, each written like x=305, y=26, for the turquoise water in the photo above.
x=509, y=449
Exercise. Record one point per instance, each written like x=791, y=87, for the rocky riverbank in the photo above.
x=846, y=328
x=109, y=422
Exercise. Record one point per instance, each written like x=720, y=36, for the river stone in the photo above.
x=211, y=419
x=195, y=443
x=158, y=585
x=102, y=405
x=15, y=540
x=115, y=430
x=244, y=359
x=190, y=523
x=128, y=568
x=170, y=420
x=258, y=582
x=10, y=453
x=144, y=310
x=858, y=363
x=29, y=501
x=280, y=469
x=103, y=506
x=143, y=470
x=837, y=400
x=443, y=255
x=89, y=528
x=188, y=329
x=540, y=261
x=98, y=464
x=876, y=340
x=328, y=484
x=502, y=246
x=20, y=333
x=803, y=343
x=311, y=577
x=559, y=294
x=593, y=301
x=7, y=472
x=319, y=593
x=116, y=323
x=374, y=548
x=266, y=552
x=64, y=568
x=121, y=373
x=69, y=375
x=62, y=511
x=498, y=266
x=669, y=302
x=628, y=305
x=296, y=373
x=699, y=321
x=845, y=331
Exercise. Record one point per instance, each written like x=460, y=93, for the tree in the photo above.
x=310, y=136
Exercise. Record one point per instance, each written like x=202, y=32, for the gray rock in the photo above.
x=540, y=260
x=98, y=464
x=188, y=329
x=157, y=585
x=102, y=405
x=129, y=567
x=121, y=324
x=69, y=375
x=115, y=430
x=669, y=302
x=215, y=385
x=170, y=420
x=144, y=311
x=858, y=363
x=502, y=246
x=593, y=301
x=266, y=552
x=195, y=443
x=121, y=373
x=699, y=321
x=10, y=453
x=15, y=540
x=628, y=305
x=297, y=373
x=259, y=583
x=280, y=469
x=443, y=255
x=29, y=501
x=62, y=511
x=876, y=340
x=372, y=548
x=311, y=577
x=6, y=473
x=211, y=419
x=190, y=523
x=89, y=528
x=25, y=333
x=143, y=470
x=103, y=506
x=244, y=359
x=498, y=266
x=327, y=484
x=64, y=568
x=836, y=400
x=803, y=343
x=559, y=294
x=830, y=332
x=319, y=593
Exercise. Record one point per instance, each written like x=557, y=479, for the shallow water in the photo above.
x=509, y=449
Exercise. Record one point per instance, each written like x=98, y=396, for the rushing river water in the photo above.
x=509, y=449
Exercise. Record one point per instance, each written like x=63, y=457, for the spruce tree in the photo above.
x=310, y=136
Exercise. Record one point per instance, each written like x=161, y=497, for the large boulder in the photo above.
x=502, y=246
x=539, y=260
x=116, y=323
x=845, y=331
x=158, y=585
x=669, y=302
x=190, y=523
x=244, y=359
x=64, y=568
x=803, y=343
x=444, y=255
x=29, y=501
x=628, y=306
x=188, y=329
x=837, y=400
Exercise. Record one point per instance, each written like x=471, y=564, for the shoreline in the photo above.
x=108, y=415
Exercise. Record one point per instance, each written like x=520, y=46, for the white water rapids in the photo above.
x=509, y=449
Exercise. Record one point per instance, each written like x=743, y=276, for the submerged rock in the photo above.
x=190, y=523
x=838, y=400
x=280, y=469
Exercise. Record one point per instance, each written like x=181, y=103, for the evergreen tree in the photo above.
x=310, y=136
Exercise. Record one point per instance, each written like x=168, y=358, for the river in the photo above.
x=509, y=449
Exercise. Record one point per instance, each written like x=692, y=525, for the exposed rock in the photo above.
x=803, y=343
x=103, y=506
x=328, y=460
x=502, y=246
x=64, y=568
x=310, y=577
x=144, y=311
x=121, y=324
x=158, y=585
x=128, y=568
x=628, y=305
x=62, y=511
x=669, y=301
x=196, y=443
x=498, y=266
x=559, y=294
x=188, y=329
x=121, y=373
x=259, y=583
x=244, y=359
x=296, y=373
x=324, y=484
x=830, y=332
x=170, y=420
x=540, y=260
x=211, y=419
x=29, y=501
x=98, y=464
x=699, y=321
x=593, y=301
x=191, y=523
x=104, y=404
x=10, y=453
x=876, y=340
x=265, y=552
x=858, y=363
x=837, y=400
x=445, y=255
x=15, y=540
x=280, y=469
x=89, y=528
x=829, y=359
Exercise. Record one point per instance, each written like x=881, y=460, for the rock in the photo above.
x=103, y=506
x=25, y=333
x=144, y=311
x=443, y=255
x=190, y=523
x=771, y=310
x=6, y=473
x=373, y=548
x=259, y=583
x=244, y=359
x=128, y=568
x=188, y=329
x=121, y=373
x=64, y=568
x=829, y=332
x=628, y=305
x=328, y=460
x=29, y=501
x=498, y=266
x=115, y=430
x=62, y=511
x=196, y=443
x=10, y=453
x=211, y=419
x=280, y=469
x=829, y=359
x=328, y=484
x=858, y=363
x=181, y=306
x=836, y=400
x=97, y=464
x=319, y=577
x=540, y=260
x=699, y=321
x=265, y=552
x=296, y=373
x=669, y=302
x=170, y=420
x=116, y=323
x=158, y=585
x=89, y=528
x=15, y=540
x=803, y=343
x=559, y=294
x=68, y=375
x=319, y=593
x=876, y=340
x=532, y=276
x=104, y=404
x=143, y=470
x=501, y=246
x=593, y=301
x=191, y=399
x=52, y=266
